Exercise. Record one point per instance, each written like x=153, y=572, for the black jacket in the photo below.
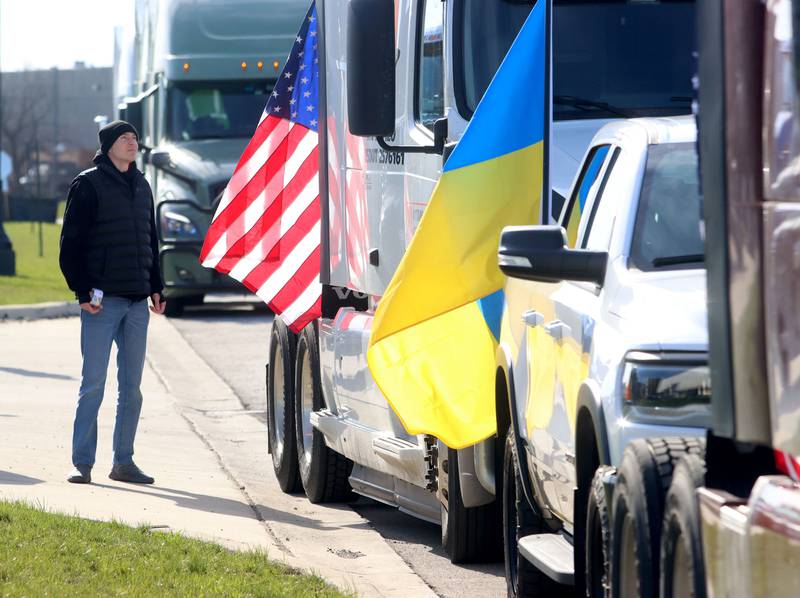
x=108, y=240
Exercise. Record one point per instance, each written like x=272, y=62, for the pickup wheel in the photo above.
x=598, y=537
x=682, y=567
x=469, y=535
x=280, y=406
x=324, y=473
x=643, y=476
x=523, y=580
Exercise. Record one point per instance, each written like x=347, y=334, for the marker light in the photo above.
x=244, y=65
x=185, y=67
x=260, y=65
x=275, y=64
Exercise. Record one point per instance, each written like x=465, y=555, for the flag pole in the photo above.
x=548, y=102
x=322, y=129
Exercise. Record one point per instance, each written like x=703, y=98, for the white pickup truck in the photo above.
x=604, y=341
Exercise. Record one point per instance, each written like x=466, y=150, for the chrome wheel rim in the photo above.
x=278, y=405
x=306, y=406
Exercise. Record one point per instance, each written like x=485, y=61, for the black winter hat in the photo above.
x=112, y=131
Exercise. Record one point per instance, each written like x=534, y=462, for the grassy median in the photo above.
x=38, y=278
x=43, y=554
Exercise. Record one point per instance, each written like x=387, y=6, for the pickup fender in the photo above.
x=590, y=416
x=505, y=378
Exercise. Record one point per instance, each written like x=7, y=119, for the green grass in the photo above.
x=43, y=554
x=38, y=279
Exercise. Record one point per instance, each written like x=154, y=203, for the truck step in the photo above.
x=552, y=554
x=402, y=452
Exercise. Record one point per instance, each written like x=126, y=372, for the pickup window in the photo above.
x=571, y=216
x=610, y=58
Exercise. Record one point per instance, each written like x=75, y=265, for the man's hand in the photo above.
x=91, y=308
x=159, y=304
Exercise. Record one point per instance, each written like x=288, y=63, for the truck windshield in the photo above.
x=610, y=58
x=667, y=232
x=215, y=110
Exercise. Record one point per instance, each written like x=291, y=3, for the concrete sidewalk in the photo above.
x=208, y=455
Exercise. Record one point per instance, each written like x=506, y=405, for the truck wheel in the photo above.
x=682, y=568
x=280, y=406
x=598, y=537
x=323, y=472
x=174, y=308
x=469, y=535
x=643, y=476
x=520, y=520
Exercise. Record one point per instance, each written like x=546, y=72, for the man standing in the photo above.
x=109, y=244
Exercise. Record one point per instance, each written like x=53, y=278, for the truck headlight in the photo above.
x=177, y=226
x=668, y=388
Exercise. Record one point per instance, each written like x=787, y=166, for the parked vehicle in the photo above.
x=199, y=74
x=331, y=432
x=741, y=537
x=602, y=343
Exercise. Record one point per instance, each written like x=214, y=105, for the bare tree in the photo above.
x=24, y=120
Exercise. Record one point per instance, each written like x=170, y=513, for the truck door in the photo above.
x=560, y=325
x=577, y=308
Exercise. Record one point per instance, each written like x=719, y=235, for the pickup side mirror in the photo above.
x=540, y=253
x=370, y=68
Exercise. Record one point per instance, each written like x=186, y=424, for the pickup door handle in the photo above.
x=533, y=318
x=558, y=330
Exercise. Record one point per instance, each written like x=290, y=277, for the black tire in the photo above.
x=523, y=580
x=597, y=549
x=682, y=567
x=469, y=535
x=323, y=472
x=280, y=406
x=643, y=477
x=174, y=308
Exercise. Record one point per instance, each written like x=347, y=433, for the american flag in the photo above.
x=266, y=230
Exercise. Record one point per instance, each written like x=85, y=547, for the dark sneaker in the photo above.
x=130, y=473
x=80, y=474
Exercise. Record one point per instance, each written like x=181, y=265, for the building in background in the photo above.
x=48, y=125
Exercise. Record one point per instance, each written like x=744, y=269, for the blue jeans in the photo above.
x=124, y=322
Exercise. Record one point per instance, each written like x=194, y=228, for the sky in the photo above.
x=41, y=34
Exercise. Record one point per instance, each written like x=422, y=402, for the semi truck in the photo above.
x=330, y=430
x=193, y=77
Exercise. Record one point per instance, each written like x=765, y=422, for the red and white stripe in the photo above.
x=266, y=231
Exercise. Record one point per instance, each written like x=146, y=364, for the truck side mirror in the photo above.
x=540, y=253
x=370, y=68
x=133, y=113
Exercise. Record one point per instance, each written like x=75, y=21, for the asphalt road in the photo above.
x=231, y=336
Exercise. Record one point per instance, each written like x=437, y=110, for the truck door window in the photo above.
x=216, y=110
x=571, y=213
x=597, y=231
x=430, y=64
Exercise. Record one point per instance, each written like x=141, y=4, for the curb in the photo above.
x=38, y=311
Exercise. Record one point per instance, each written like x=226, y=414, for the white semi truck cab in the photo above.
x=399, y=82
x=198, y=74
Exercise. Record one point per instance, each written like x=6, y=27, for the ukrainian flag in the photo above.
x=432, y=349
